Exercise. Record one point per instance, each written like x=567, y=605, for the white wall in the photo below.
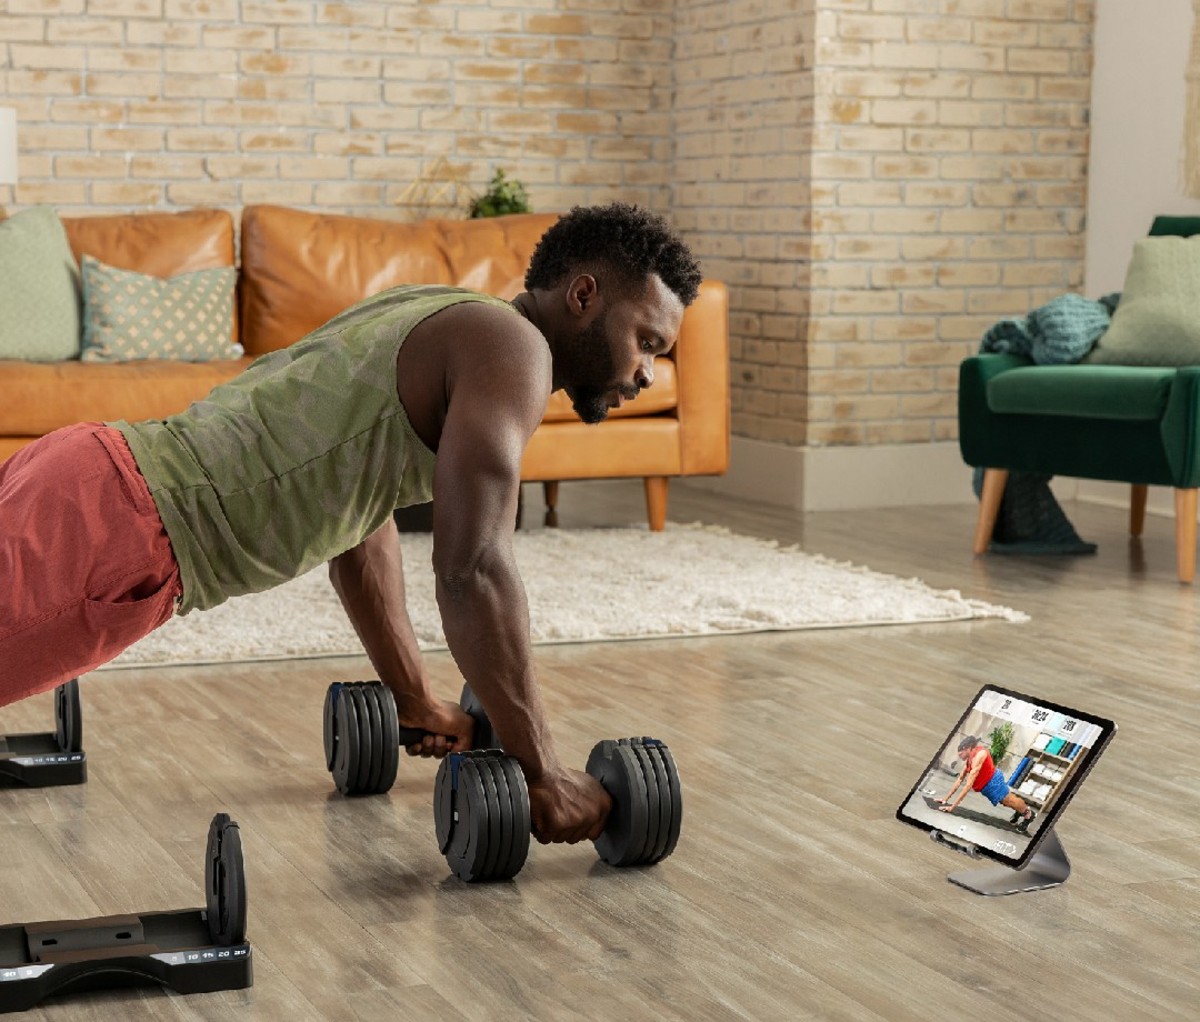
x=1138, y=100
x=1138, y=93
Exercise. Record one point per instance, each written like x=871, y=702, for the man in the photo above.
x=418, y=392
x=979, y=773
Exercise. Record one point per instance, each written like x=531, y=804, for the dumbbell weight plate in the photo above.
x=663, y=754
x=666, y=807
x=502, y=816
x=386, y=704
x=461, y=816
x=518, y=800
x=654, y=806
x=329, y=728
x=495, y=824
x=616, y=768
x=346, y=742
x=68, y=717
x=225, y=883
x=361, y=754
x=370, y=728
x=514, y=801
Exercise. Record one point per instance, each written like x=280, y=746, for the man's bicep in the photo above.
x=476, y=481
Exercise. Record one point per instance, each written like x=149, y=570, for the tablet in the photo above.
x=1005, y=773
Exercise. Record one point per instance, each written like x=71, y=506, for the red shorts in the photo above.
x=86, y=568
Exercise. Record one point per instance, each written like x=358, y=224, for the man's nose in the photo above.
x=644, y=376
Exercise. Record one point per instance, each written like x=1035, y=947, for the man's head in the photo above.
x=609, y=284
x=967, y=746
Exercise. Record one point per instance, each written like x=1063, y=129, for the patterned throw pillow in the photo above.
x=129, y=315
x=39, y=288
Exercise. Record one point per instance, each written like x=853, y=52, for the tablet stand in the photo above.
x=1048, y=867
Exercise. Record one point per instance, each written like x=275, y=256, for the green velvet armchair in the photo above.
x=1118, y=423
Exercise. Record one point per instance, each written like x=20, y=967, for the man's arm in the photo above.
x=369, y=580
x=497, y=399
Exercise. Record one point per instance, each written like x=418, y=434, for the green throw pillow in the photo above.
x=1157, y=322
x=39, y=288
x=129, y=315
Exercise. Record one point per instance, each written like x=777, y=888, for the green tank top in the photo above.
x=297, y=459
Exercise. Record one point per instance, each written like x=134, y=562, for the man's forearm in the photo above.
x=369, y=580
x=486, y=620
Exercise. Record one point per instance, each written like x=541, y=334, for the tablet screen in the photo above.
x=1005, y=772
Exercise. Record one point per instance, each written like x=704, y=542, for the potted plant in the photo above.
x=505, y=195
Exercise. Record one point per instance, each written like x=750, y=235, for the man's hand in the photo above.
x=945, y=808
x=568, y=806
x=451, y=730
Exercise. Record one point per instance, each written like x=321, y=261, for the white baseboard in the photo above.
x=842, y=478
x=1160, y=500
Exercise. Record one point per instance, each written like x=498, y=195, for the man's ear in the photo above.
x=582, y=293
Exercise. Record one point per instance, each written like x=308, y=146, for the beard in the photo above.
x=593, y=370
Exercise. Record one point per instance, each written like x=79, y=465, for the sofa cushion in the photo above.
x=1091, y=392
x=129, y=315
x=301, y=269
x=39, y=398
x=662, y=397
x=160, y=244
x=1157, y=322
x=39, y=314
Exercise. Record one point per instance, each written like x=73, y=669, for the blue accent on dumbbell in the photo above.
x=455, y=760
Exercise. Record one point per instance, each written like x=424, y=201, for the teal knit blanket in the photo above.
x=1061, y=332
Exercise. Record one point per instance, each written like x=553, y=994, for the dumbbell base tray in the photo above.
x=36, y=760
x=171, y=948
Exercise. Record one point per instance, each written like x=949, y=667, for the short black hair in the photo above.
x=630, y=242
x=968, y=743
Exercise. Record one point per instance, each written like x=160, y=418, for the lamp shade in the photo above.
x=8, y=145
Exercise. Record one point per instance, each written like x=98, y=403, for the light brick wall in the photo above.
x=949, y=165
x=877, y=180
x=352, y=107
x=742, y=190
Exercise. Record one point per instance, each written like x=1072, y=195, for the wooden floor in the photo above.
x=793, y=894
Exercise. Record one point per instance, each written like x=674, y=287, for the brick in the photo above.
x=127, y=139
x=140, y=194
x=206, y=140
x=89, y=166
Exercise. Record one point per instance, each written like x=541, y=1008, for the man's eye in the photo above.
x=647, y=345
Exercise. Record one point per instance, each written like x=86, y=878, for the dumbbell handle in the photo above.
x=413, y=735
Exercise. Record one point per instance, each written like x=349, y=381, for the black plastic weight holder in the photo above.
x=192, y=951
x=43, y=759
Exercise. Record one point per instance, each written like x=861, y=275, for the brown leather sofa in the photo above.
x=300, y=269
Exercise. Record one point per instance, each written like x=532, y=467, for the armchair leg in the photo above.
x=1137, y=509
x=994, y=480
x=1185, y=533
x=550, y=489
x=656, y=502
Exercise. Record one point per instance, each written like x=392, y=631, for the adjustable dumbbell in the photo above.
x=363, y=735
x=481, y=808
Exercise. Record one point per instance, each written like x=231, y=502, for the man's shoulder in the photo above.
x=494, y=332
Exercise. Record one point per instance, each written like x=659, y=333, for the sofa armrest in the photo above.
x=702, y=365
x=1181, y=427
x=975, y=425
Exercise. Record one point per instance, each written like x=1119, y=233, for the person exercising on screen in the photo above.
x=979, y=773
x=417, y=393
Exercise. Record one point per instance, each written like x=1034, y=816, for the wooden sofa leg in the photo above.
x=656, y=502
x=994, y=480
x=1137, y=509
x=1185, y=533
x=550, y=489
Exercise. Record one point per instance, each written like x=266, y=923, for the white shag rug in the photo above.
x=583, y=585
